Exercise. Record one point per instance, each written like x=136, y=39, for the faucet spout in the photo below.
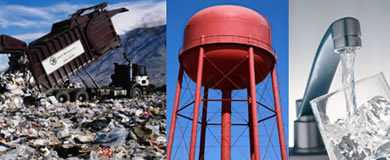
x=342, y=34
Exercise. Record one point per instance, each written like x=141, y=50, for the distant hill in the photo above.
x=145, y=46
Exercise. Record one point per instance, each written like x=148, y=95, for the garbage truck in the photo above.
x=71, y=45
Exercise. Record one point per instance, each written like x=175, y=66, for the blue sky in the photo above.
x=28, y=20
x=179, y=13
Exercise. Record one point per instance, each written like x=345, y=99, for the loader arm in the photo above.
x=11, y=45
x=95, y=7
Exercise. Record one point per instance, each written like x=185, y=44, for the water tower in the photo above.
x=226, y=48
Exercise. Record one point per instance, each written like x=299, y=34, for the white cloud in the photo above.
x=27, y=11
x=65, y=8
x=3, y=62
x=29, y=36
x=141, y=14
x=26, y=16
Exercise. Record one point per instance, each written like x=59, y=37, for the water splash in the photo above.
x=365, y=135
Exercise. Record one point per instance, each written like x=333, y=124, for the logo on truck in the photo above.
x=63, y=57
x=53, y=61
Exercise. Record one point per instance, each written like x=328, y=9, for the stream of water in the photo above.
x=347, y=57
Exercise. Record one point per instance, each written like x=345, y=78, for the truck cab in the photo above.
x=140, y=75
x=132, y=77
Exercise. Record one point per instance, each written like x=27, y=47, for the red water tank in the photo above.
x=226, y=48
x=226, y=33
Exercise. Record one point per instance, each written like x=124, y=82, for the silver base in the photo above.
x=308, y=157
x=295, y=156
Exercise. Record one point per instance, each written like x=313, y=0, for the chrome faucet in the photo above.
x=342, y=33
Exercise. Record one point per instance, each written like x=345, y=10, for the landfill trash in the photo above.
x=33, y=126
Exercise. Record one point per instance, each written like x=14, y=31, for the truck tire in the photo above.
x=62, y=96
x=135, y=92
x=81, y=96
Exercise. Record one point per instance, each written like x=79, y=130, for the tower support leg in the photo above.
x=204, y=125
x=275, y=90
x=226, y=125
x=175, y=108
x=196, y=105
x=254, y=135
x=251, y=145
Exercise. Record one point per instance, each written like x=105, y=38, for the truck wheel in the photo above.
x=62, y=96
x=81, y=96
x=136, y=92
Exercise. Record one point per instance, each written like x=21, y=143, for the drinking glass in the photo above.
x=355, y=139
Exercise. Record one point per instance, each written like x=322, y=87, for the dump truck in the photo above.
x=72, y=44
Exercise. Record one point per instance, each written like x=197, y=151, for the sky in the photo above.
x=179, y=13
x=29, y=20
